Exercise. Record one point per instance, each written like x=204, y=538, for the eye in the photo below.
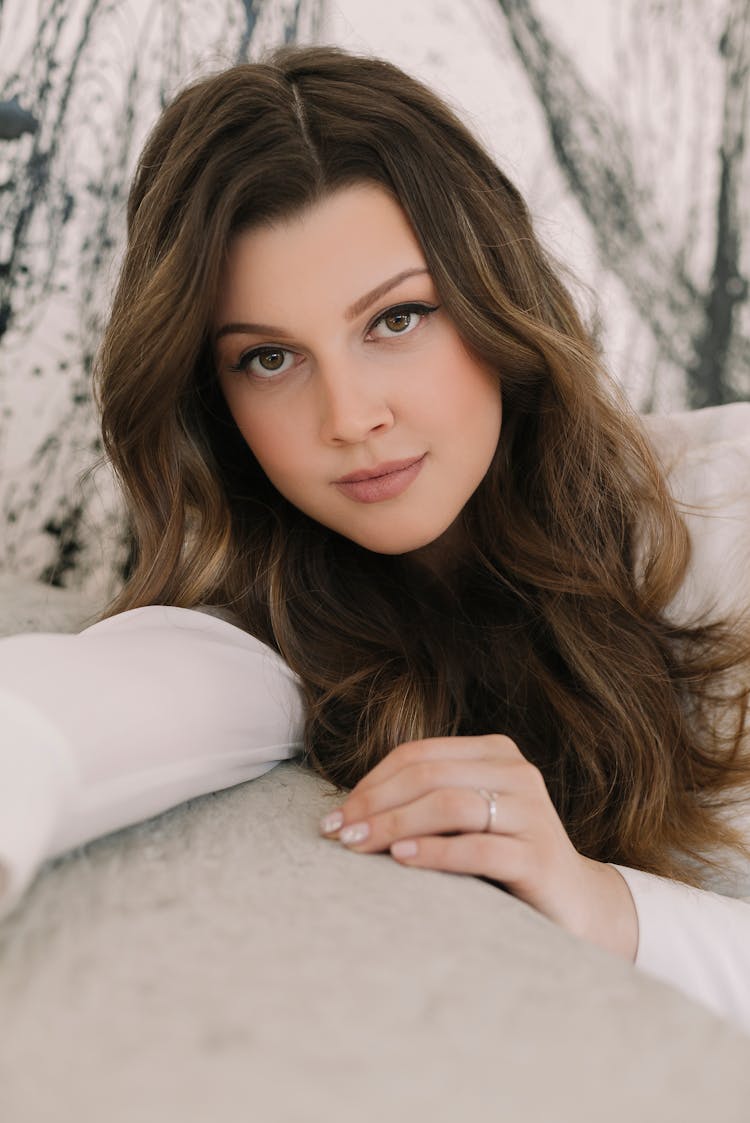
x=402, y=319
x=270, y=361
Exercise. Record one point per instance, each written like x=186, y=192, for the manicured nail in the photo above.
x=404, y=849
x=357, y=832
x=331, y=822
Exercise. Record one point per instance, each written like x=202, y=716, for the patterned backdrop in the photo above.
x=623, y=121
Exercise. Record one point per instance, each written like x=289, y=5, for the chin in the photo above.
x=397, y=544
x=389, y=549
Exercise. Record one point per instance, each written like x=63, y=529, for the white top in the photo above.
x=133, y=716
x=158, y=705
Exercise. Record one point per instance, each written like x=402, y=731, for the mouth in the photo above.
x=371, y=488
x=385, y=469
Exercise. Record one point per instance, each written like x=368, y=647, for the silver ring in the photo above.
x=490, y=797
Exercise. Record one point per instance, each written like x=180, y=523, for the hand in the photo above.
x=423, y=791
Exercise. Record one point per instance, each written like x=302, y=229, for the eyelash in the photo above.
x=243, y=363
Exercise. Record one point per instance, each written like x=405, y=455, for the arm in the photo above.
x=131, y=717
x=695, y=940
x=429, y=802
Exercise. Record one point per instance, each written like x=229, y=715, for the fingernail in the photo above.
x=405, y=849
x=357, y=832
x=331, y=822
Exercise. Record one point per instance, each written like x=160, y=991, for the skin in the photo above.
x=424, y=789
x=334, y=391
x=352, y=394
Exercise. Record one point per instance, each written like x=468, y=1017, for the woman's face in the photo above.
x=335, y=357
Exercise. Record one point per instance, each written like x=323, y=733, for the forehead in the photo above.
x=342, y=246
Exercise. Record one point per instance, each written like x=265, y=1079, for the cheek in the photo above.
x=466, y=394
x=273, y=441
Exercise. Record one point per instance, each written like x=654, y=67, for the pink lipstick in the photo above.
x=385, y=481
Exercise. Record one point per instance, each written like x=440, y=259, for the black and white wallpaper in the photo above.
x=624, y=122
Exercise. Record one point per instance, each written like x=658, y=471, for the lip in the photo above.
x=384, y=469
x=374, y=489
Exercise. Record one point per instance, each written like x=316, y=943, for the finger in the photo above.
x=428, y=748
x=443, y=810
x=485, y=747
x=500, y=857
x=414, y=781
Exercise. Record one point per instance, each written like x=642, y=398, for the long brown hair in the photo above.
x=552, y=627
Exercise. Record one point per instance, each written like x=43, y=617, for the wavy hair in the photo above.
x=552, y=627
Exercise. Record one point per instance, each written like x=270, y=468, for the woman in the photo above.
x=360, y=427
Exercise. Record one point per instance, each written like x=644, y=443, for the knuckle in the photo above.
x=502, y=744
x=450, y=803
x=390, y=823
x=486, y=847
x=424, y=771
x=411, y=750
x=534, y=777
x=445, y=853
x=360, y=808
x=408, y=752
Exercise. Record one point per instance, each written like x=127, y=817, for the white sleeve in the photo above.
x=695, y=940
x=134, y=715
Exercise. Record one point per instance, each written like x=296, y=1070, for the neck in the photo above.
x=439, y=560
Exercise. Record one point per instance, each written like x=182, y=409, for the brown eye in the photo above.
x=271, y=360
x=264, y=360
x=402, y=319
x=397, y=321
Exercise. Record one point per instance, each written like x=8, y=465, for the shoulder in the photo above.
x=205, y=633
x=706, y=458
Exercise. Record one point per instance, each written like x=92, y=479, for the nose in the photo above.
x=352, y=403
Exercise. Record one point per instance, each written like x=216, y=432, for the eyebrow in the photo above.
x=351, y=313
